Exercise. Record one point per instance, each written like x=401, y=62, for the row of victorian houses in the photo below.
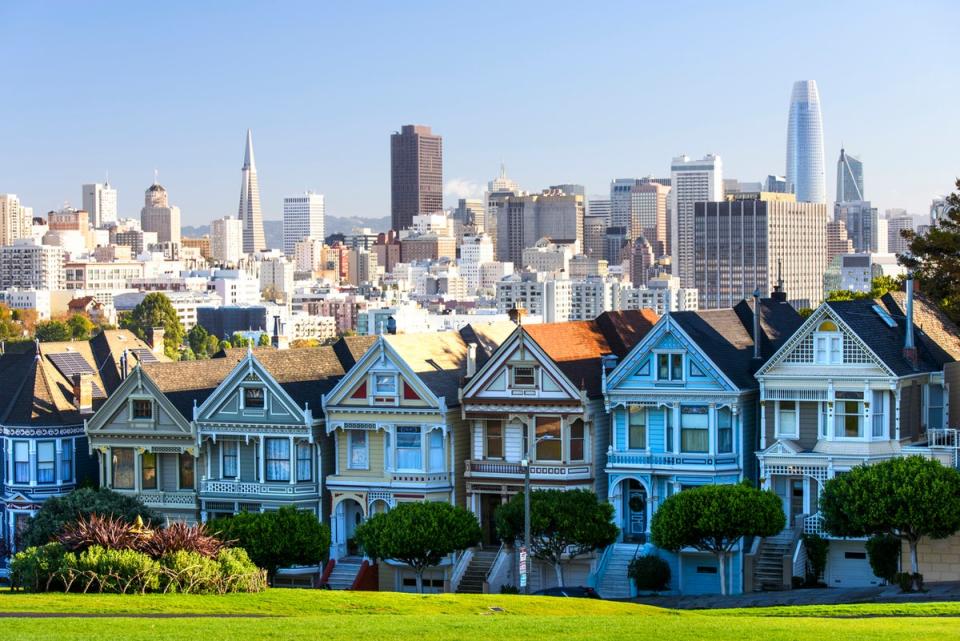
x=631, y=406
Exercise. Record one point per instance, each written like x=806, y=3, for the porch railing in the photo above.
x=244, y=488
x=813, y=525
x=164, y=499
x=537, y=470
x=421, y=477
x=639, y=459
x=460, y=565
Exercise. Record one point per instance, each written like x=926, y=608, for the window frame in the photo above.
x=728, y=414
x=704, y=430
x=829, y=342
x=391, y=390
x=115, y=464
x=674, y=363
x=186, y=471
x=557, y=441
x=304, y=455
x=498, y=438
x=144, y=468
x=407, y=434
x=134, y=401
x=779, y=413
x=283, y=462
x=50, y=464
x=353, y=447
x=582, y=439
x=533, y=376
x=261, y=402
x=438, y=465
x=66, y=460
x=225, y=447
x=641, y=412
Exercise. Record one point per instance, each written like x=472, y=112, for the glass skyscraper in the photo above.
x=849, y=178
x=805, y=160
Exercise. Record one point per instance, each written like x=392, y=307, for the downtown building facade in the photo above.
x=159, y=216
x=100, y=200
x=692, y=181
x=249, y=210
x=416, y=174
x=805, y=160
x=523, y=220
x=303, y=219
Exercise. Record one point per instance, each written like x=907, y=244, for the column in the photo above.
x=57, y=461
x=676, y=428
x=33, y=462
x=108, y=465
x=10, y=464
x=896, y=420
x=263, y=462
x=763, y=424
x=293, y=462
x=712, y=429
x=138, y=470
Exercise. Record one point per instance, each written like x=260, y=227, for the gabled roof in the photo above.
x=108, y=346
x=934, y=330
x=350, y=349
x=625, y=329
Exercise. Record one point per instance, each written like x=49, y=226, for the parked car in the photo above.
x=579, y=592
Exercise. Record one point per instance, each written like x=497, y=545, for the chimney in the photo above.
x=517, y=313
x=123, y=365
x=278, y=340
x=83, y=392
x=391, y=325
x=778, y=294
x=471, y=359
x=756, y=323
x=155, y=339
x=609, y=362
x=909, y=346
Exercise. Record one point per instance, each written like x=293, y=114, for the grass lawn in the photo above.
x=357, y=616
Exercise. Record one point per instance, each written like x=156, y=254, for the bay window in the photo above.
x=21, y=462
x=122, y=468
x=550, y=448
x=357, y=452
x=46, y=462
x=409, y=449
x=878, y=415
x=637, y=429
x=694, y=429
x=724, y=430
x=148, y=471
x=304, y=462
x=787, y=421
x=494, y=439
x=436, y=450
x=576, y=440
x=231, y=459
x=848, y=416
x=277, y=458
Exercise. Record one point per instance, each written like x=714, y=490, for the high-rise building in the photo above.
x=469, y=217
x=896, y=243
x=497, y=192
x=621, y=201
x=523, y=220
x=100, y=201
x=26, y=264
x=226, y=242
x=849, y=178
x=805, y=160
x=15, y=219
x=416, y=174
x=302, y=219
x=838, y=242
x=599, y=207
x=863, y=226
x=249, y=211
x=750, y=241
x=594, y=236
x=648, y=215
x=776, y=184
x=159, y=216
x=691, y=181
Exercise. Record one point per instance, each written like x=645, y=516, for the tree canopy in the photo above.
x=52, y=331
x=878, y=287
x=80, y=327
x=934, y=258
x=563, y=525
x=713, y=518
x=155, y=310
x=419, y=534
x=908, y=497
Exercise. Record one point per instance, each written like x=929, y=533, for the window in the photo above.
x=877, y=409
x=494, y=436
x=304, y=462
x=384, y=384
x=576, y=440
x=142, y=409
x=694, y=430
x=21, y=462
x=706, y=569
x=524, y=377
x=551, y=447
x=668, y=429
x=669, y=367
x=935, y=406
x=436, y=450
x=277, y=458
x=787, y=419
x=357, y=446
x=46, y=461
x=848, y=418
x=828, y=344
x=409, y=452
x=231, y=459
x=724, y=430
x=122, y=468
x=637, y=430
x=148, y=471
x=186, y=471
x=253, y=397
x=66, y=461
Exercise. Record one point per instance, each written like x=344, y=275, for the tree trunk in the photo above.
x=722, y=559
x=558, y=568
x=914, y=562
x=420, y=581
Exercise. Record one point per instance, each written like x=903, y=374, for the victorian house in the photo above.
x=539, y=399
x=860, y=382
x=683, y=407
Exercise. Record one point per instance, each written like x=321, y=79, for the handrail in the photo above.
x=596, y=576
x=495, y=566
x=327, y=571
x=460, y=568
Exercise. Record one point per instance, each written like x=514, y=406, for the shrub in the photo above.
x=649, y=573
x=114, y=571
x=816, y=547
x=38, y=569
x=56, y=512
x=909, y=582
x=103, y=531
x=239, y=573
x=884, y=554
x=190, y=573
x=509, y=589
x=182, y=537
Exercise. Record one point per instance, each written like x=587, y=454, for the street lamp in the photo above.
x=526, y=509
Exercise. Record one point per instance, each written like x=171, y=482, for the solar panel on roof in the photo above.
x=145, y=355
x=70, y=363
x=97, y=392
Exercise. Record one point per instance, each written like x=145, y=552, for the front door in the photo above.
x=796, y=499
x=636, y=511
x=488, y=507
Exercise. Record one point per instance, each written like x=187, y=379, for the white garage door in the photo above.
x=847, y=566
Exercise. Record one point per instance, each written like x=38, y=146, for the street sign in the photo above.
x=523, y=567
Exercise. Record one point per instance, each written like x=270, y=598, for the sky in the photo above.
x=561, y=92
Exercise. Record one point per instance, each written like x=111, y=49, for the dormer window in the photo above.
x=524, y=377
x=253, y=398
x=385, y=384
x=142, y=409
x=670, y=367
x=828, y=344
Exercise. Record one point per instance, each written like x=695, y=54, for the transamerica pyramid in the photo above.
x=250, y=214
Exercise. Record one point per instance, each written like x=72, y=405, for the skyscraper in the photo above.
x=849, y=178
x=805, y=161
x=416, y=174
x=158, y=216
x=691, y=181
x=523, y=220
x=100, y=201
x=249, y=213
x=15, y=219
x=302, y=219
x=863, y=226
x=226, y=240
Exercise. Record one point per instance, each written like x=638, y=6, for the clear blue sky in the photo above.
x=562, y=92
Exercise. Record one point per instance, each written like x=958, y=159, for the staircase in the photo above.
x=476, y=573
x=614, y=583
x=768, y=567
x=344, y=573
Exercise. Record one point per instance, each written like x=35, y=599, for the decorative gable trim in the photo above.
x=137, y=382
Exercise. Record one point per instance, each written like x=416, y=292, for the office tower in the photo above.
x=16, y=221
x=599, y=207
x=594, y=235
x=226, y=242
x=620, y=201
x=100, y=201
x=776, y=184
x=302, y=219
x=648, y=215
x=862, y=226
x=249, y=211
x=750, y=241
x=416, y=174
x=469, y=217
x=158, y=216
x=805, y=161
x=838, y=242
x=502, y=183
x=641, y=256
x=497, y=192
x=523, y=220
x=691, y=181
x=849, y=178
x=615, y=242
x=896, y=243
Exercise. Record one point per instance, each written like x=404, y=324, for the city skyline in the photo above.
x=58, y=145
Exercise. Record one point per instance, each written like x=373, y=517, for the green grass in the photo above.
x=359, y=616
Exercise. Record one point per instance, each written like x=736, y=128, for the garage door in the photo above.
x=847, y=566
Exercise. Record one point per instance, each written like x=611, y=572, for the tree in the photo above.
x=878, y=287
x=155, y=310
x=304, y=342
x=713, y=518
x=277, y=539
x=58, y=511
x=239, y=340
x=80, y=327
x=197, y=340
x=264, y=340
x=419, y=534
x=52, y=331
x=562, y=524
x=906, y=497
x=211, y=345
x=13, y=322
x=934, y=258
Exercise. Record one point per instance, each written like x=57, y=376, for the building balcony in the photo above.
x=169, y=500
x=670, y=460
x=420, y=477
x=234, y=489
x=539, y=471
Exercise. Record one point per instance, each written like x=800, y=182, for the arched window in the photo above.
x=828, y=344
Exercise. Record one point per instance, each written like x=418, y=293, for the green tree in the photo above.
x=239, y=340
x=12, y=322
x=934, y=258
x=264, y=340
x=155, y=310
x=907, y=497
x=878, y=287
x=211, y=345
x=224, y=345
x=80, y=327
x=713, y=518
x=277, y=539
x=52, y=331
x=563, y=525
x=419, y=534
x=197, y=340
x=61, y=510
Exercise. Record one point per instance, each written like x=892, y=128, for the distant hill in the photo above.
x=273, y=229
